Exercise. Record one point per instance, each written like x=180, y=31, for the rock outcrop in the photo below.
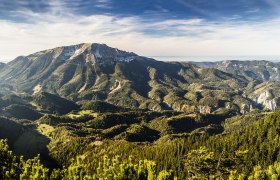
x=268, y=100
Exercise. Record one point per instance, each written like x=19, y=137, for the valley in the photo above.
x=86, y=105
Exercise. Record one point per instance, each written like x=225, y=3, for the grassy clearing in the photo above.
x=45, y=129
x=82, y=113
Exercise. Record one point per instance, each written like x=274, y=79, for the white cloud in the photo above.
x=190, y=37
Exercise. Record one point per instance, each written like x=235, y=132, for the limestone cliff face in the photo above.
x=268, y=100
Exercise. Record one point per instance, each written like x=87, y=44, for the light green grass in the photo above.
x=82, y=113
x=45, y=129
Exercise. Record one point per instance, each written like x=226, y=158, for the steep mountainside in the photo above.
x=267, y=94
x=264, y=77
x=98, y=72
x=61, y=68
x=33, y=107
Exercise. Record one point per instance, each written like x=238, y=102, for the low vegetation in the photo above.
x=97, y=140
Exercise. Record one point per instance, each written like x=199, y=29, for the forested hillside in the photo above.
x=93, y=112
x=249, y=152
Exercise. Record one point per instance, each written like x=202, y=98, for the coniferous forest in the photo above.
x=248, y=151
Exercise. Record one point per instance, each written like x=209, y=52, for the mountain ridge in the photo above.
x=261, y=70
x=91, y=71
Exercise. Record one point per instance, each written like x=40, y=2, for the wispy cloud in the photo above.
x=106, y=4
x=253, y=10
x=60, y=25
x=190, y=5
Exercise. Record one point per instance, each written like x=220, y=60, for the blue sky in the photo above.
x=147, y=27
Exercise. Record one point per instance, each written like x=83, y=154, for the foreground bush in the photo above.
x=13, y=167
x=199, y=164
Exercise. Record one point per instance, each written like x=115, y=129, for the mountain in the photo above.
x=253, y=70
x=101, y=73
x=98, y=72
x=267, y=94
x=261, y=70
x=204, y=64
x=90, y=101
x=62, y=70
x=264, y=77
x=52, y=103
x=33, y=107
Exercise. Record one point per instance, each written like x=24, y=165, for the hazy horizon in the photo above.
x=202, y=58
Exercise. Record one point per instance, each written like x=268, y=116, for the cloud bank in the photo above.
x=59, y=25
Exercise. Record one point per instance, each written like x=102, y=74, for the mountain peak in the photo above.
x=65, y=66
x=100, y=53
x=104, y=51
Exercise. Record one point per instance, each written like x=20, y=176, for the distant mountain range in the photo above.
x=98, y=72
x=252, y=70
